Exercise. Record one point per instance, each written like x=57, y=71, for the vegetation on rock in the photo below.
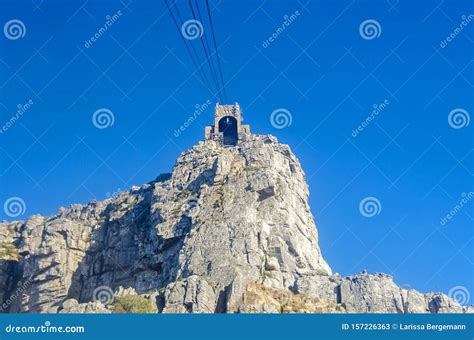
x=9, y=252
x=133, y=304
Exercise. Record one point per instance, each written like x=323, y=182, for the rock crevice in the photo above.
x=229, y=230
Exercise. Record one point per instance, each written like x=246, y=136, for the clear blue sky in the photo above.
x=319, y=68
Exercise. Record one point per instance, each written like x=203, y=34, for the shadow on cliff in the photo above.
x=9, y=283
x=128, y=252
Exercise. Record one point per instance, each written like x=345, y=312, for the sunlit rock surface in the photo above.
x=229, y=230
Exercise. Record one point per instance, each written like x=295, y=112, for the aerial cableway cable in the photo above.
x=196, y=54
x=221, y=92
x=217, y=50
x=193, y=56
x=205, y=46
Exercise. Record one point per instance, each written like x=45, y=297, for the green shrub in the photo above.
x=268, y=274
x=8, y=251
x=133, y=304
x=321, y=272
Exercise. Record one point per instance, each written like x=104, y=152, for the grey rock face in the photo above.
x=194, y=240
x=72, y=306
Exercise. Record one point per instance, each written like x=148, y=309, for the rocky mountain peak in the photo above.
x=229, y=230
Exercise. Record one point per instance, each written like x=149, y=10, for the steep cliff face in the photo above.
x=229, y=230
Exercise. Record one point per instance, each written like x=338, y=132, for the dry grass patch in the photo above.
x=286, y=301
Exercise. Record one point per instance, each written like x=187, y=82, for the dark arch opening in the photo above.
x=228, y=127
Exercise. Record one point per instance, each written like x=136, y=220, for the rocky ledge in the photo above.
x=229, y=230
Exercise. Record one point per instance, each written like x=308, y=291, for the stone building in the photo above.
x=227, y=128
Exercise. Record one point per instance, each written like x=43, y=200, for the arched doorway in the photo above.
x=228, y=127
